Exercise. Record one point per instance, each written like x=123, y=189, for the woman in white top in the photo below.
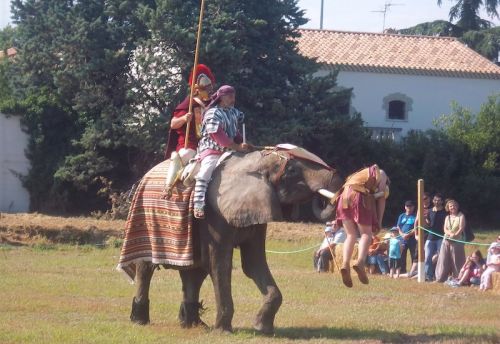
x=452, y=254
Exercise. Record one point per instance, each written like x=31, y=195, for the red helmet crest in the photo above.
x=202, y=71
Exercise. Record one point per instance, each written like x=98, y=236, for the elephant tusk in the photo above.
x=328, y=194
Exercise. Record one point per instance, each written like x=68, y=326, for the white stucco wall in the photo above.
x=431, y=96
x=13, y=141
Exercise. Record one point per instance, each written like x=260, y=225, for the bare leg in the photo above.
x=140, y=304
x=351, y=230
x=364, y=243
x=254, y=264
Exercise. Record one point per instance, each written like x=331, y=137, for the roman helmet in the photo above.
x=204, y=82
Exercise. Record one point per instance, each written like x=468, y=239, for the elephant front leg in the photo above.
x=140, y=304
x=221, y=264
x=191, y=308
x=254, y=264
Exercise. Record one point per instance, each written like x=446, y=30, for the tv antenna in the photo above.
x=321, y=15
x=387, y=7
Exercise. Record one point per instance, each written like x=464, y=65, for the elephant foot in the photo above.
x=140, y=312
x=267, y=330
x=223, y=325
x=189, y=315
x=226, y=330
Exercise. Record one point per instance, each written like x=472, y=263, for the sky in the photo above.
x=350, y=15
x=357, y=15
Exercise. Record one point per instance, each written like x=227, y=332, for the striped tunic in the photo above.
x=228, y=118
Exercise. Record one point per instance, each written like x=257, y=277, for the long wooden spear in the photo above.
x=193, y=79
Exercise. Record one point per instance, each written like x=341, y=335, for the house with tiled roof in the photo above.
x=402, y=82
x=13, y=162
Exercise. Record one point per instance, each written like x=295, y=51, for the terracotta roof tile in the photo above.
x=393, y=53
x=10, y=52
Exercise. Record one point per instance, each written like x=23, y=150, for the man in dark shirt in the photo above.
x=433, y=243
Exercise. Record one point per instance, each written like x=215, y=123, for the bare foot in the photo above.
x=346, y=277
x=363, y=278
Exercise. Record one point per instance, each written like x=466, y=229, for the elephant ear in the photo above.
x=244, y=198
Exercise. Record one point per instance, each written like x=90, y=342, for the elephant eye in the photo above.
x=291, y=171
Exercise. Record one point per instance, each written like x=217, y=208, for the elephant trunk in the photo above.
x=323, y=210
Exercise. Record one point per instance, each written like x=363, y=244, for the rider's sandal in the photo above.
x=199, y=213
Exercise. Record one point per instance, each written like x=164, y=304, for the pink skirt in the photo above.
x=356, y=211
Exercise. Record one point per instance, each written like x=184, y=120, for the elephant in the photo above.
x=246, y=192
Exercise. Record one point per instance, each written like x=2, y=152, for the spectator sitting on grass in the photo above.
x=492, y=265
x=334, y=234
x=470, y=274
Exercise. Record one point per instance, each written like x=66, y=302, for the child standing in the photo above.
x=395, y=248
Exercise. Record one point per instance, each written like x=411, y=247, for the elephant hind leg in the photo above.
x=191, y=308
x=140, y=303
x=254, y=264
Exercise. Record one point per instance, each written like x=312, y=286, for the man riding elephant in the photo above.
x=177, y=151
x=219, y=133
x=204, y=83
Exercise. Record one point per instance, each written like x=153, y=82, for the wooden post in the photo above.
x=420, y=231
x=193, y=79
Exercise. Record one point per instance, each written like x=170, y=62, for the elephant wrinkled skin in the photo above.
x=246, y=192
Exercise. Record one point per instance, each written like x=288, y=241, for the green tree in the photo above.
x=486, y=42
x=273, y=82
x=466, y=12
x=435, y=28
x=110, y=73
x=463, y=159
x=7, y=37
x=479, y=132
x=71, y=70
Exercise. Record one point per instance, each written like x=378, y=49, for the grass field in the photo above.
x=72, y=294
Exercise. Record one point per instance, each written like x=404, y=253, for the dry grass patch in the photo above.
x=21, y=229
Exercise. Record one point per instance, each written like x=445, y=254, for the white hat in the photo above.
x=328, y=229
